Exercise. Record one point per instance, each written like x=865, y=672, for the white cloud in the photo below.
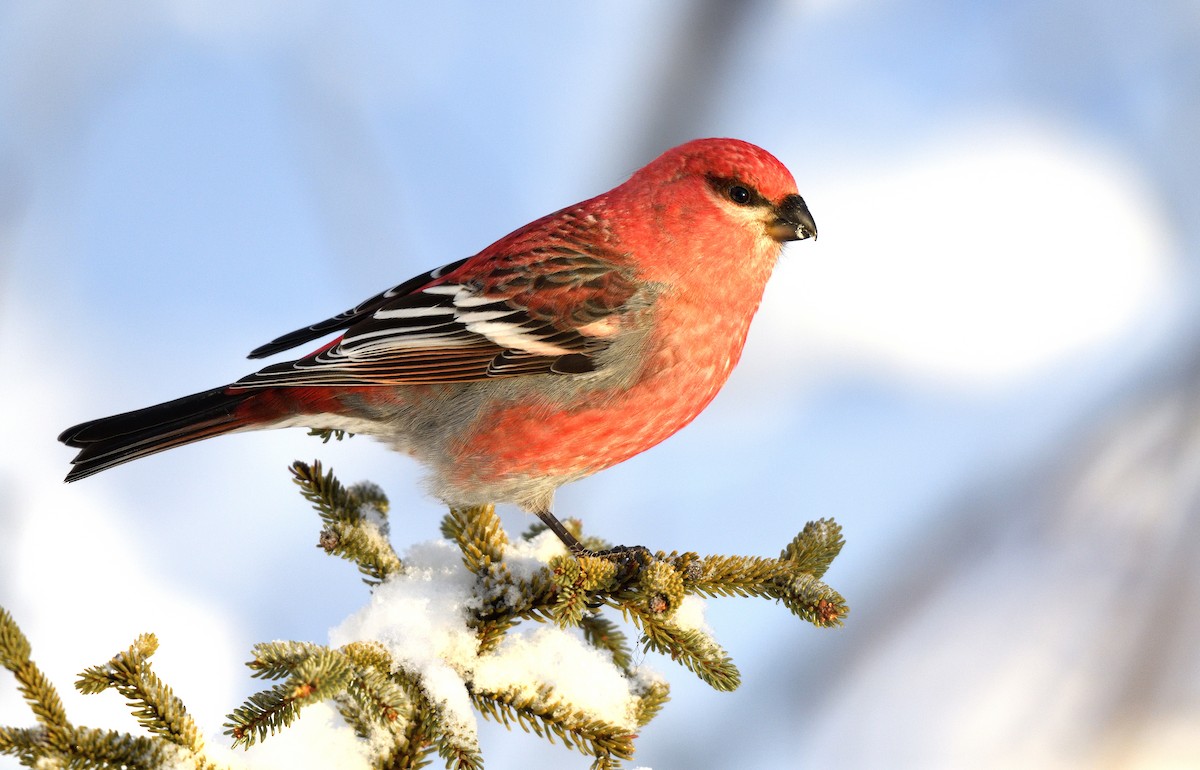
x=995, y=252
x=79, y=577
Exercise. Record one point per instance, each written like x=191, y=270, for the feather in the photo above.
x=539, y=310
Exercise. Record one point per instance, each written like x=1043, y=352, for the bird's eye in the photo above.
x=739, y=195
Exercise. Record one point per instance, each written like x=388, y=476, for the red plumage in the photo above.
x=569, y=345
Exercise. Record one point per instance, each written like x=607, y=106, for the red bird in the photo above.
x=572, y=344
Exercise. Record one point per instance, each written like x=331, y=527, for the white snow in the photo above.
x=319, y=738
x=420, y=617
x=583, y=676
x=525, y=557
x=690, y=615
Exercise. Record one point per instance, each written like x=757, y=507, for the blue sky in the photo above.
x=1006, y=197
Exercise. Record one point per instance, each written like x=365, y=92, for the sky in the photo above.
x=1005, y=194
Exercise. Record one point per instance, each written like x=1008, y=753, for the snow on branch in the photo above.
x=444, y=638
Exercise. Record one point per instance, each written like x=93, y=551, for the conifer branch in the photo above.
x=491, y=632
x=479, y=535
x=156, y=708
x=35, y=688
x=356, y=526
x=458, y=748
x=276, y=660
x=579, y=582
x=414, y=750
x=814, y=549
x=377, y=702
x=735, y=575
x=27, y=744
x=173, y=738
x=89, y=748
x=317, y=676
x=652, y=694
x=325, y=434
x=387, y=704
x=602, y=633
x=604, y=762
x=694, y=649
x=545, y=715
x=111, y=749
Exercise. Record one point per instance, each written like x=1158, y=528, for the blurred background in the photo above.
x=986, y=369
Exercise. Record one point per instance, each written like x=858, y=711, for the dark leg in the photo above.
x=629, y=558
x=556, y=526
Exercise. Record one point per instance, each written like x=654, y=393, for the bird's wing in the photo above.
x=545, y=309
x=348, y=318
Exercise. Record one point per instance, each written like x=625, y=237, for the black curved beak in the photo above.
x=793, y=222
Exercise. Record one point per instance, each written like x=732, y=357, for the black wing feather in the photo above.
x=346, y=319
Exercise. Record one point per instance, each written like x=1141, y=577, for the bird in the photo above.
x=567, y=346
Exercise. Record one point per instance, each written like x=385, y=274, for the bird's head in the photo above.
x=747, y=184
x=718, y=202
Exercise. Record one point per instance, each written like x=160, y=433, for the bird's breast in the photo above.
x=650, y=387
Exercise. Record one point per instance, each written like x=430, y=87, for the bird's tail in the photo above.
x=118, y=439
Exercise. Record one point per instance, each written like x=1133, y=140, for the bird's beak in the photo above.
x=792, y=221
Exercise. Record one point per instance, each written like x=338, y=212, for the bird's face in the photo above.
x=752, y=192
x=716, y=207
x=785, y=219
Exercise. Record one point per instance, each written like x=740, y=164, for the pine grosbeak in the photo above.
x=574, y=343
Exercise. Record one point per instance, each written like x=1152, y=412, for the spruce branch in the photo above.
x=383, y=696
x=544, y=714
x=720, y=575
x=112, y=749
x=459, y=755
x=276, y=660
x=694, y=649
x=355, y=520
x=814, y=549
x=481, y=537
x=33, y=685
x=602, y=633
x=27, y=744
x=579, y=581
x=414, y=749
x=325, y=434
x=490, y=633
x=458, y=748
x=604, y=762
x=173, y=736
x=317, y=676
x=91, y=748
x=356, y=677
x=653, y=694
x=793, y=578
x=379, y=701
x=811, y=600
x=263, y=714
x=156, y=708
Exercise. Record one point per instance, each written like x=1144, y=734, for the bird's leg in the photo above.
x=630, y=558
x=570, y=541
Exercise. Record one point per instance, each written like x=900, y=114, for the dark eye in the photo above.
x=739, y=195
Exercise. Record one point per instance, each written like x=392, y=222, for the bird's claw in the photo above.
x=629, y=559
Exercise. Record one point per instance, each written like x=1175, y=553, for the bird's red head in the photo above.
x=730, y=159
x=718, y=199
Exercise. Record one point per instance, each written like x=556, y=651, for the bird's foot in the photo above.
x=630, y=559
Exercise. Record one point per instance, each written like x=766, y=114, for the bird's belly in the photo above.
x=520, y=450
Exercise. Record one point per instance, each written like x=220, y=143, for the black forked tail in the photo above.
x=118, y=439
